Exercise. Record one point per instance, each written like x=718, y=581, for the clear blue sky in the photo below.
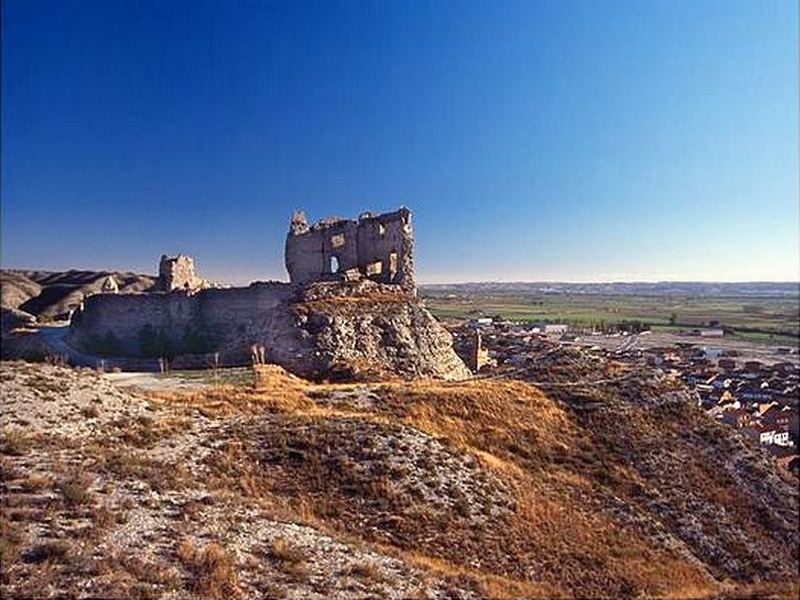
x=569, y=140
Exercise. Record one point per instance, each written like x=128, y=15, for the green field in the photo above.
x=768, y=319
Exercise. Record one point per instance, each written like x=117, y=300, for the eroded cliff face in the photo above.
x=332, y=330
x=350, y=311
x=368, y=330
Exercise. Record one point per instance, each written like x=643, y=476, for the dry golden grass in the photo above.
x=487, y=585
x=35, y=483
x=508, y=424
x=290, y=559
x=366, y=571
x=306, y=453
x=275, y=376
x=763, y=590
x=212, y=572
x=15, y=441
x=473, y=417
x=275, y=391
x=515, y=431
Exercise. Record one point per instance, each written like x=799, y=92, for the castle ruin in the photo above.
x=376, y=247
x=350, y=300
x=177, y=273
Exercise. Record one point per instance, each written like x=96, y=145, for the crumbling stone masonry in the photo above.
x=478, y=356
x=177, y=273
x=376, y=247
x=313, y=326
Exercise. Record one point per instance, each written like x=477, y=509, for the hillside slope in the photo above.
x=53, y=294
x=426, y=489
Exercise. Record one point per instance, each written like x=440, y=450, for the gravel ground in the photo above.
x=106, y=493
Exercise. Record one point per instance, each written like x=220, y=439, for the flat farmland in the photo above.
x=770, y=319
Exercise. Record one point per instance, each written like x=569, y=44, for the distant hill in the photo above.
x=52, y=294
x=663, y=288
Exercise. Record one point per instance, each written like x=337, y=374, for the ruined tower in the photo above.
x=177, y=273
x=478, y=355
x=376, y=247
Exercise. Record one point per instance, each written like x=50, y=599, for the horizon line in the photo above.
x=478, y=281
x=610, y=282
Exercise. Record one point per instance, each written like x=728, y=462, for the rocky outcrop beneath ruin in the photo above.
x=343, y=331
x=350, y=312
x=368, y=330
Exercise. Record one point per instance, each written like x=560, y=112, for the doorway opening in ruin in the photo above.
x=334, y=264
x=393, y=265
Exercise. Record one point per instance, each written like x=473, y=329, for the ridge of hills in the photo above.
x=51, y=294
x=482, y=488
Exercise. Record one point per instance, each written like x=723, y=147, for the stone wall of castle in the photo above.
x=186, y=322
x=124, y=317
x=377, y=247
x=312, y=326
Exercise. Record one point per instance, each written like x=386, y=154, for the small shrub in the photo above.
x=132, y=465
x=145, y=571
x=141, y=591
x=75, y=490
x=273, y=592
x=462, y=507
x=103, y=517
x=15, y=442
x=90, y=412
x=281, y=551
x=367, y=571
x=34, y=483
x=212, y=570
x=57, y=551
x=10, y=542
x=290, y=560
x=190, y=511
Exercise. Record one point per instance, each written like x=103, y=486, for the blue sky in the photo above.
x=534, y=140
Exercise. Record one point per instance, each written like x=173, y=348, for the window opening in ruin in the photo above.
x=337, y=241
x=393, y=264
x=334, y=264
x=381, y=229
x=375, y=267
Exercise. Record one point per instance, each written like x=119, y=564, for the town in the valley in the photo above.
x=753, y=388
